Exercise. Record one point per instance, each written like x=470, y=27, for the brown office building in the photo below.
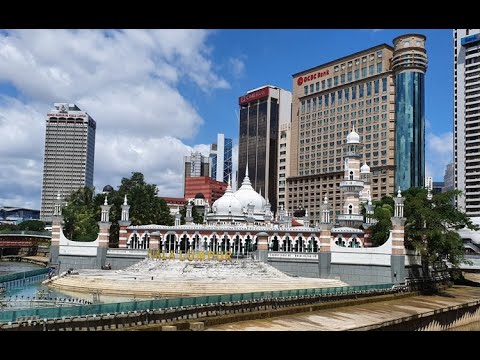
x=263, y=112
x=327, y=101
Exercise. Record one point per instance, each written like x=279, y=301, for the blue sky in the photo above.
x=272, y=56
x=158, y=94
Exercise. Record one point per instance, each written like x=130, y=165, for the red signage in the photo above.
x=317, y=75
x=262, y=93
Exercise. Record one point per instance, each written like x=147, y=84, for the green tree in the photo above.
x=430, y=225
x=83, y=211
x=381, y=230
x=31, y=225
x=80, y=215
x=196, y=215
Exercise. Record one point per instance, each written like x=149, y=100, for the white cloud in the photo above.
x=438, y=153
x=237, y=67
x=128, y=81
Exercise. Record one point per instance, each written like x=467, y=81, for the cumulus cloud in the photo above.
x=439, y=151
x=127, y=80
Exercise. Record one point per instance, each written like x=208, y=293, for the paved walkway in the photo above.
x=351, y=317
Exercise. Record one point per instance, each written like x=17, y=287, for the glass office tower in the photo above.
x=409, y=64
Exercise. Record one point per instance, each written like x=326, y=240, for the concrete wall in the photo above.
x=361, y=274
x=77, y=262
x=121, y=262
x=304, y=268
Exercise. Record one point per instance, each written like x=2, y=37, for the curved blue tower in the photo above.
x=409, y=64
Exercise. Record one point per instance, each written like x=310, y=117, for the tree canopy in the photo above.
x=430, y=225
x=83, y=211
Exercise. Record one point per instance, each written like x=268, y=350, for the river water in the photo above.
x=33, y=290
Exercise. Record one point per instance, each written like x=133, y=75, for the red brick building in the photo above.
x=211, y=189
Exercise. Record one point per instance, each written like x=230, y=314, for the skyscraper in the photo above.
x=69, y=154
x=466, y=122
x=409, y=64
x=448, y=178
x=261, y=112
x=196, y=165
x=356, y=91
x=221, y=159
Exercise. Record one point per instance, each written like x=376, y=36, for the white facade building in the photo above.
x=69, y=154
x=467, y=119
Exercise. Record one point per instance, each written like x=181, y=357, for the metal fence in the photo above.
x=22, y=275
x=110, y=308
x=26, y=232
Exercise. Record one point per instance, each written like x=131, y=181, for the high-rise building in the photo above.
x=261, y=112
x=69, y=154
x=409, y=64
x=358, y=92
x=448, y=178
x=196, y=165
x=221, y=159
x=466, y=122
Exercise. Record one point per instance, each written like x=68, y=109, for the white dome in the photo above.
x=353, y=137
x=365, y=168
x=246, y=195
x=228, y=204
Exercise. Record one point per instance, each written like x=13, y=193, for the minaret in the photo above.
x=365, y=176
x=188, y=215
x=104, y=224
x=124, y=223
x=57, y=220
x=352, y=185
x=398, y=240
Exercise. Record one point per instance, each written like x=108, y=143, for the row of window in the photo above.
x=332, y=169
x=343, y=95
x=347, y=77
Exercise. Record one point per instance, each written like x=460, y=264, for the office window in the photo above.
x=303, y=106
x=323, y=84
x=342, y=79
x=308, y=106
x=305, y=90
x=371, y=69
x=379, y=68
x=354, y=93
x=349, y=76
x=347, y=91
x=369, y=88
x=384, y=84
x=364, y=72
x=332, y=98
x=357, y=74
x=329, y=82
x=311, y=88
x=335, y=80
x=317, y=86
x=376, y=86
x=360, y=91
x=314, y=104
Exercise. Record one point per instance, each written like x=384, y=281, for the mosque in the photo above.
x=235, y=220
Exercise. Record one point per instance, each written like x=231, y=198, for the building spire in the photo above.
x=246, y=170
x=399, y=192
x=125, y=200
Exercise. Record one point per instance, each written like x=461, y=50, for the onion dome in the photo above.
x=228, y=204
x=247, y=195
